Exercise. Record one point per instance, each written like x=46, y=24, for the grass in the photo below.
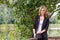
x=8, y=31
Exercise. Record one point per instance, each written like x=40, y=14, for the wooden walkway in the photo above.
x=50, y=38
x=54, y=38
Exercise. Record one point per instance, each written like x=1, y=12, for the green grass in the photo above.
x=8, y=32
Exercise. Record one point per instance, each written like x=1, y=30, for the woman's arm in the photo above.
x=34, y=25
x=34, y=33
x=42, y=31
x=47, y=24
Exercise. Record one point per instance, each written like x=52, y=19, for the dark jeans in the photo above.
x=41, y=37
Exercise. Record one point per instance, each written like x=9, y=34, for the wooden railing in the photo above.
x=54, y=38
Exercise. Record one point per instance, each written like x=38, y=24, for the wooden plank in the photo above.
x=49, y=38
x=33, y=39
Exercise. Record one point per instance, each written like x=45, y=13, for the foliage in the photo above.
x=59, y=15
x=23, y=12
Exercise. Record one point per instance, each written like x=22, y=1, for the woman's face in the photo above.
x=42, y=11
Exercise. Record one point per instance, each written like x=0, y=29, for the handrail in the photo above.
x=54, y=28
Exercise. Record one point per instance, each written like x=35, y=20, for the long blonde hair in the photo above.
x=46, y=13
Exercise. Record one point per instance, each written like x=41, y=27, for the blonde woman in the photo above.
x=41, y=23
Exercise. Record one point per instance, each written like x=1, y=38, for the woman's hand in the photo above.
x=41, y=31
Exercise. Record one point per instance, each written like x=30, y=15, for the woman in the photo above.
x=41, y=23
